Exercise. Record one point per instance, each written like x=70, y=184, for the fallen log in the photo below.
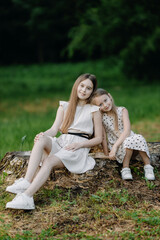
x=14, y=165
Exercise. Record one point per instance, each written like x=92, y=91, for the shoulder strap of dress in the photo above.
x=63, y=104
x=119, y=109
x=94, y=108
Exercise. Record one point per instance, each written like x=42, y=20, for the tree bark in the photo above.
x=14, y=164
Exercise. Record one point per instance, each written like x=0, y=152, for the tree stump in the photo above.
x=14, y=165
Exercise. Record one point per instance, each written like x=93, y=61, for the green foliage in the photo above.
x=98, y=32
x=50, y=234
x=47, y=31
x=38, y=30
x=150, y=184
x=120, y=197
x=142, y=54
x=128, y=29
x=56, y=194
x=3, y=177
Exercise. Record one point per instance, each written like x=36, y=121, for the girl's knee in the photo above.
x=53, y=162
x=49, y=161
x=42, y=141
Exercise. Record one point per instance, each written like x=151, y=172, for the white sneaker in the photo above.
x=19, y=186
x=126, y=174
x=21, y=201
x=148, y=172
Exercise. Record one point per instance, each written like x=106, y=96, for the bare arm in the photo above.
x=124, y=134
x=127, y=128
x=97, y=121
x=57, y=123
x=55, y=127
x=104, y=142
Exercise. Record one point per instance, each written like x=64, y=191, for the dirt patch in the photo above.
x=35, y=106
x=148, y=128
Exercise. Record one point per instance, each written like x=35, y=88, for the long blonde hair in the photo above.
x=69, y=116
x=99, y=92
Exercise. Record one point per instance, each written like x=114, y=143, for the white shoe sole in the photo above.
x=15, y=191
x=19, y=207
x=127, y=178
x=150, y=179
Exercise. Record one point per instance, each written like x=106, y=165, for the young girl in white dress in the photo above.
x=118, y=140
x=77, y=120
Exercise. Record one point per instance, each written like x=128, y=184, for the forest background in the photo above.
x=68, y=30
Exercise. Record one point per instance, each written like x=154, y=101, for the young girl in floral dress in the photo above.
x=77, y=120
x=119, y=141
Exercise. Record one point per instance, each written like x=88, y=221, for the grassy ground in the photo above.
x=115, y=209
x=29, y=97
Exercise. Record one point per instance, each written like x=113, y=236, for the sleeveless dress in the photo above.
x=78, y=161
x=134, y=141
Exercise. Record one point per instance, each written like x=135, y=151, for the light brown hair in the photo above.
x=99, y=92
x=69, y=116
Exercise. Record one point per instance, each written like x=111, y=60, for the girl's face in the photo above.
x=104, y=102
x=84, y=90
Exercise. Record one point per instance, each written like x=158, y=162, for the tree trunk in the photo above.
x=14, y=164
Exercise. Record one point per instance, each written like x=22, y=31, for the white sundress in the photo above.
x=78, y=161
x=134, y=141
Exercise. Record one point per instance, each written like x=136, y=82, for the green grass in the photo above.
x=31, y=81
x=29, y=97
x=43, y=80
x=78, y=215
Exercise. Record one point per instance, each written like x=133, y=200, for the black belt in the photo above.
x=84, y=135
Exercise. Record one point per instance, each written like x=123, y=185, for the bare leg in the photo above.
x=144, y=157
x=49, y=163
x=127, y=158
x=36, y=156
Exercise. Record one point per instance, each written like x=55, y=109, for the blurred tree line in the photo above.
x=75, y=30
